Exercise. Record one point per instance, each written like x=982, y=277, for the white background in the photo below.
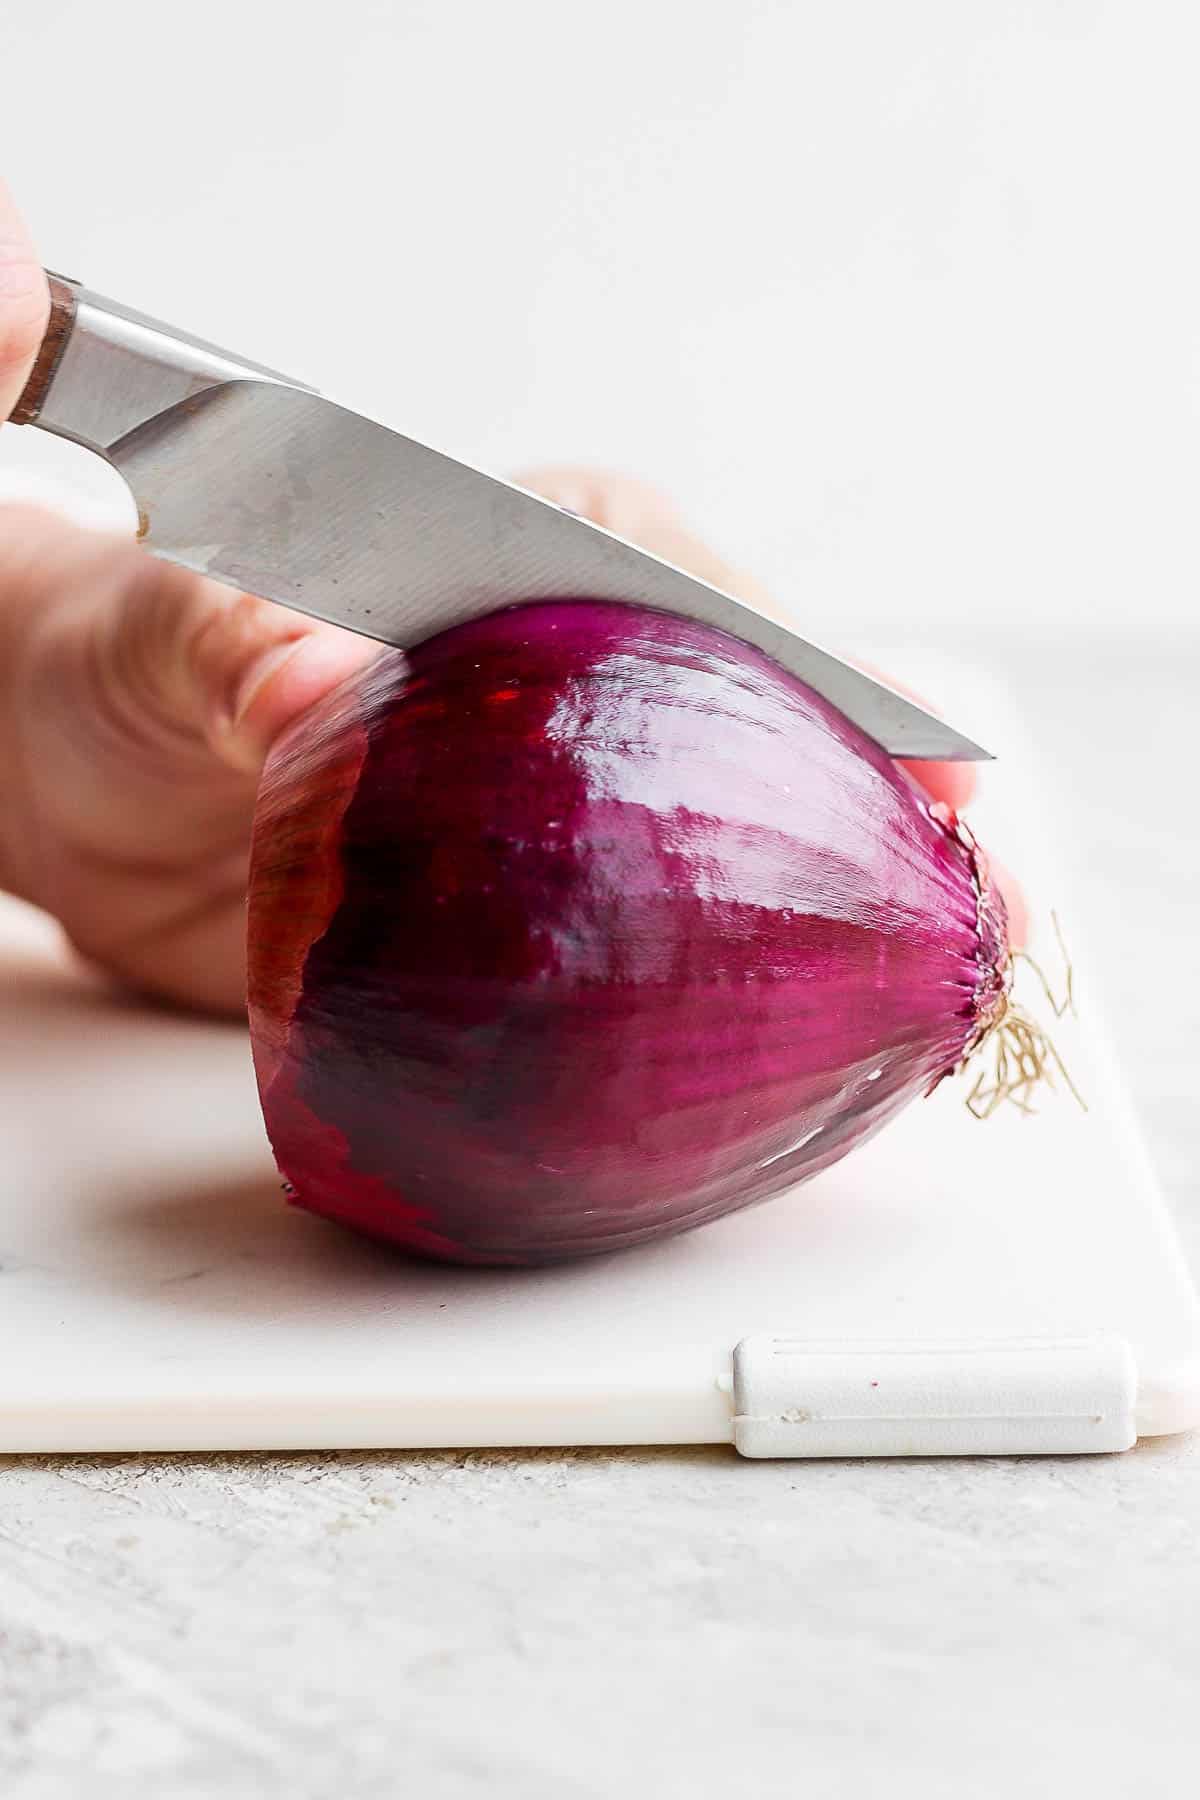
x=902, y=301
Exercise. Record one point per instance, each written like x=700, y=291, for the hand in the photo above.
x=138, y=703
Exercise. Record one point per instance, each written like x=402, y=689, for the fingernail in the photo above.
x=281, y=683
x=253, y=678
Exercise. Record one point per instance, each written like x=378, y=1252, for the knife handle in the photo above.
x=58, y=330
x=103, y=369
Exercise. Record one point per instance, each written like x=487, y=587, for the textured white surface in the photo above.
x=597, y=1623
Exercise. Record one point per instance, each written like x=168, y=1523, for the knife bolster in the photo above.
x=58, y=330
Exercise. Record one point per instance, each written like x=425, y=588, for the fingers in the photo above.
x=193, y=655
x=138, y=704
x=175, y=664
x=645, y=515
x=1014, y=901
x=268, y=687
x=955, y=783
x=24, y=303
x=634, y=509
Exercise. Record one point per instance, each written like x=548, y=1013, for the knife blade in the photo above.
x=243, y=475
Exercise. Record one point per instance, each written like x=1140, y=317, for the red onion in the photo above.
x=582, y=924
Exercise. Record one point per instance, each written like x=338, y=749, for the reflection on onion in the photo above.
x=582, y=924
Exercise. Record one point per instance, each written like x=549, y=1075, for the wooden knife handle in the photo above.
x=62, y=317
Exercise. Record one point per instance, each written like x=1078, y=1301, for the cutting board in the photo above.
x=954, y=1286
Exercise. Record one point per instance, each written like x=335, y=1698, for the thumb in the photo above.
x=24, y=303
x=179, y=653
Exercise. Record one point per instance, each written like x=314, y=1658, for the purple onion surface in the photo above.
x=582, y=924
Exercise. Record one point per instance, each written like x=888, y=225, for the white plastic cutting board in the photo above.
x=157, y=1293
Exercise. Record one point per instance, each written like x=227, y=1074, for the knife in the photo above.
x=244, y=475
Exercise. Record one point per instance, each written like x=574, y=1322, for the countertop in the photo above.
x=595, y=1623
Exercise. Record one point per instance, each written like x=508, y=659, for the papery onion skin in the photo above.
x=583, y=924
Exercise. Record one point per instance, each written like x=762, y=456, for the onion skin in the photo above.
x=583, y=924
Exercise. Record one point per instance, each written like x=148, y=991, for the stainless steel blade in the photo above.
x=280, y=492
x=249, y=477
